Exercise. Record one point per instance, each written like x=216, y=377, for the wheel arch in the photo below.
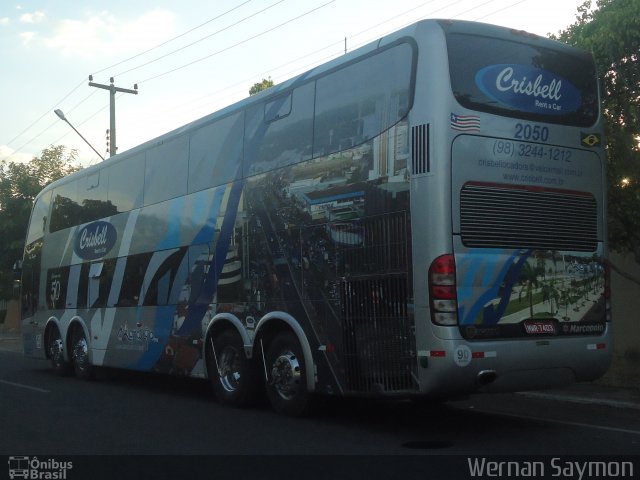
x=220, y=322
x=53, y=322
x=77, y=322
x=275, y=322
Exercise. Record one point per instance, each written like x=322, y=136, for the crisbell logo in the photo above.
x=38, y=469
x=95, y=240
x=529, y=89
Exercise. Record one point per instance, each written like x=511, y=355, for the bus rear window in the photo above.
x=522, y=80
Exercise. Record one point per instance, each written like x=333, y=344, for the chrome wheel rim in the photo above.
x=81, y=354
x=55, y=350
x=230, y=365
x=285, y=374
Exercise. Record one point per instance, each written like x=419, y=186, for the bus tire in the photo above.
x=286, y=369
x=55, y=350
x=231, y=373
x=80, y=354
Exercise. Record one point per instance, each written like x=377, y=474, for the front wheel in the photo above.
x=287, y=384
x=231, y=372
x=80, y=354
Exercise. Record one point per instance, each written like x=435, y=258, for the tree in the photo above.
x=263, y=85
x=612, y=33
x=530, y=282
x=19, y=185
x=550, y=294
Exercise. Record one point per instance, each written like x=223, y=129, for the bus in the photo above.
x=423, y=217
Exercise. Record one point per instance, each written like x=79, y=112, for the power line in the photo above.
x=174, y=38
x=94, y=114
x=236, y=44
x=48, y=111
x=326, y=58
x=200, y=40
x=52, y=124
x=258, y=75
x=502, y=9
x=308, y=65
x=474, y=8
x=240, y=43
x=392, y=18
x=36, y=121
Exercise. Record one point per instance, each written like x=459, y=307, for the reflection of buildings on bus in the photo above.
x=347, y=234
x=231, y=273
x=320, y=203
x=342, y=193
x=390, y=154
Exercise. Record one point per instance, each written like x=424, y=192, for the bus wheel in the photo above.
x=80, y=354
x=55, y=349
x=287, y=384
x=230, y=371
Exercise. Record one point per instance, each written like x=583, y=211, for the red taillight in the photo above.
x=442, y=290
x=444, y=265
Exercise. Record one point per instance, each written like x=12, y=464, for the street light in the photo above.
x=60, y=115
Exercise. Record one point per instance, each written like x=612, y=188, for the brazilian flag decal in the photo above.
x=590, y=139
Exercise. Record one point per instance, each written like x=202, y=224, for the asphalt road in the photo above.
x=131, y=413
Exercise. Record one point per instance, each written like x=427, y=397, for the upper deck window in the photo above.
x=523, y=80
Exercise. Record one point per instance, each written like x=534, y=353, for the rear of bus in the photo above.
x=518, y=286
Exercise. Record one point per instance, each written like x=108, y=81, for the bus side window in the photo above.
x=65, y=212
x=161, y=274
x=126, y=179
x=83, y=285
x=94, y=197
x=94, y=282
x=166, y=171
x=351, y=109
x=279, y=132
x=200, y=261
x=31, y=278
x=38, y=224
x=100, y=279
x=134, y=273
x=215, y=153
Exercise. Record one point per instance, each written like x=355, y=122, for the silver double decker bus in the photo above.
x=422, y=217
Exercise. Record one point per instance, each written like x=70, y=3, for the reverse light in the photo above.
x=442, y=291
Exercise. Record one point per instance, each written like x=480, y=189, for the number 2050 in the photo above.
x=536, y=133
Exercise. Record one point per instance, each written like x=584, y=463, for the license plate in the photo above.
x=540, y=327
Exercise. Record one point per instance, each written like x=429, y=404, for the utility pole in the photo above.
x=112, y=104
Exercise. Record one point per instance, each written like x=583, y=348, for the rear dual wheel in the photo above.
x=286, y=369
x=236, y=379
x=80, y=354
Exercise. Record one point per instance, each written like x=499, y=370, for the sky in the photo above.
x=189, y=58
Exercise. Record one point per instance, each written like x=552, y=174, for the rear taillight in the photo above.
x=442, y=290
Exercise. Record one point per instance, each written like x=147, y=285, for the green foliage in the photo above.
x=611, y=32
x=263, y=85
x=19, y=185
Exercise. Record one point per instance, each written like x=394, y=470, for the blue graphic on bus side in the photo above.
x=528, y=89
x=95, y=240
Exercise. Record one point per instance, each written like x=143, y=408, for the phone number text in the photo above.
x=507, y=148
